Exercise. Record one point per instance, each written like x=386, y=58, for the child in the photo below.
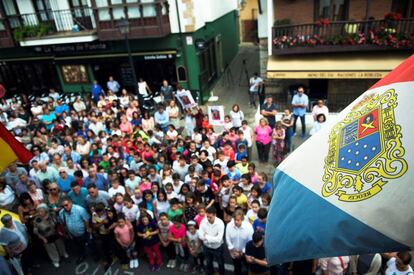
x=116, y=188
x=130, y=210
x=241, y=153
x=145, y=185
x=266, y=198
x=119, y=202
x=169, y=190
x=252, y=213
x=124, y=235
x=246, y=184
x=240, y=197
x=189, y=122
x=225, y=192
x=227, y=123
x=230, y=209
x=175, y=209
x=195, y=248
x=260, y=223
x=228, y=151
x=137, y=197
x=278, y=143
x=164, y=228
x=242, y=166
x=255, y=194
x=190, y=211
x=177, y=236
x=147, y=230
x=222, y=161
x=201, y=208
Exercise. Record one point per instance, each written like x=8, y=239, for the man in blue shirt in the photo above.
x=300, y=102
x=113, y=85
x=161, y=117
x=60, y=108
x=75, y=218
x=98, y=179
x=96, y=90
x=69, y=153
x=64, y=180
x=78, y=194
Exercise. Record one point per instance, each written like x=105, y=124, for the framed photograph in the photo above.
x=73, y=74
x=186, y=99
x=216, y=115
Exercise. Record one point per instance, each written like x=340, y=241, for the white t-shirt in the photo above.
x=333, y=265
x=142, y=88
x=237, y=118
x=131, y=214
x=112, y=191
x=254, y=84
x=392, y=269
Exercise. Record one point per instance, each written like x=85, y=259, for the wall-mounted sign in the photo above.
x=158, y=56
x=72, y=48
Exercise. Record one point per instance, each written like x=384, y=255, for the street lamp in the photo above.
x=123, y=26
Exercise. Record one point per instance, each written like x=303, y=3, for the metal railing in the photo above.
x=54, y=21
x=344, y=33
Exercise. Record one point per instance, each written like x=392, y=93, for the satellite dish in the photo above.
x=2, y=91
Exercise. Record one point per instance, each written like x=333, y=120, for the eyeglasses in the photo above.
x=65, y=205
x=61, y=172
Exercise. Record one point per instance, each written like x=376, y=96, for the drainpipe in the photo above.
x=182, y=40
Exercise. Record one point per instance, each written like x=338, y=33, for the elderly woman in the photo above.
x=54, y=198
x=45, y=230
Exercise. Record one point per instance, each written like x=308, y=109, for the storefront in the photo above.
x=337, y=78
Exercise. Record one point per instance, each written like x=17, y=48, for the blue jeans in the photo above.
x=214, y=254
x=302, y=120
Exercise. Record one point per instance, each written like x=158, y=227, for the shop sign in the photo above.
x=326, y=75
x=158, y=56
x=72, y=48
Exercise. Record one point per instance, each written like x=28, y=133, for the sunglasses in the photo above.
x=52, y=189
x=65, y=205
x=61, y=172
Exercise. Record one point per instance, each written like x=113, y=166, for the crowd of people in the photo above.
x=120, y=183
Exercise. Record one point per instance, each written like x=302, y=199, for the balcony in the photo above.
x=146, y=20
x=343, y=36
x=6, y=39
x=54, y=27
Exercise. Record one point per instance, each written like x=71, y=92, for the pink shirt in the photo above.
x=123, y=233
x=125, y=127
x=198, y=219
x=145, y=186
x=178, y=232
x=263, y=134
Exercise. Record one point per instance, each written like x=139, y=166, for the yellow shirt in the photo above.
x=241, y=200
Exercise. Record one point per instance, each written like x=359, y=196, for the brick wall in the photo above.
x=377, y=9
x=302, y=11
x=298, y=11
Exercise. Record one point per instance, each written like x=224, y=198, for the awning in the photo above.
x=372, y=65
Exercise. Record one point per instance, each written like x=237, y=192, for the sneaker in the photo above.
x=56, y=265
x=66, y=255
x=131, y=264
x=152, y=268
x=136, y=263
x=186, y=267
x=169, y=264
x=157, y=268
x=194, y=269
x=173, y=264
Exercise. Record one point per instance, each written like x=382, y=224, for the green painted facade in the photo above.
x=224, y=29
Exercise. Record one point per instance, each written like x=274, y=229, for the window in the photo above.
x=334, y=10
x=182, y=74
x=148, y=9
x=133, y=11
x=11, y=11
x=75, y=74
x=403, y=7
x=103, y=10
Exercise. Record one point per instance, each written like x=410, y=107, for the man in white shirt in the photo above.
x=113, y=85
x=211, y=234
x=255, y=84
x=238, y=232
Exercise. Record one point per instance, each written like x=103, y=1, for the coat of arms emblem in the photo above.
x=365, y=150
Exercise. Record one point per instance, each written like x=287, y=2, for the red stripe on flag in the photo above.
x=403, y=73
x=23, y=155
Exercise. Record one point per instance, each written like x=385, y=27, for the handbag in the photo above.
x=60, y=230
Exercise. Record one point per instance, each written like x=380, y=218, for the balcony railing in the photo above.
x=343, y=36
x=51, y=22
x=6, y=39
x=145, y=20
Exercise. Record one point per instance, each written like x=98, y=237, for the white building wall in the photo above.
x=197, y=12
x=262, y=20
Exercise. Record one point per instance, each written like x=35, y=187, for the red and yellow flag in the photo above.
x=11, y=149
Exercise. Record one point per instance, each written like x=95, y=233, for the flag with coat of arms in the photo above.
x=349, y=189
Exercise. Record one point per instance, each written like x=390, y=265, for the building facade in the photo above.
x=336, y=48
x=66, y=44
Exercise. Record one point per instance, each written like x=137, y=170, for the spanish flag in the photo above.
x=11, y=150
